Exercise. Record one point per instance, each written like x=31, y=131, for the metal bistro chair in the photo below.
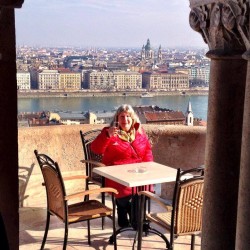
x=183, y=216
x=57, y=200
x=91, y=161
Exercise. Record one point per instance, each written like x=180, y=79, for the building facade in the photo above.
x=113, y=80
x=100, y=80
x=128, y=80
x=23, y=80
x=165, y=81
x=70, y=81
x=199, y=75
x=48, y=79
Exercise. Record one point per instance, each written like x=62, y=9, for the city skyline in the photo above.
x=114, y=23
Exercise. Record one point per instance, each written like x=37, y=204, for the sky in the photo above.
x=106, y=23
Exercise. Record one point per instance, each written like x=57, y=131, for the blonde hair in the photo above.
x=127, y=108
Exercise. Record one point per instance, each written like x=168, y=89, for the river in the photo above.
x=177, y=103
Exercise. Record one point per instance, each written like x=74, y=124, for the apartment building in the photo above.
x=113, y=80
x=23, y=80
x=128, y=80
x=165, y=81
x=48, y=79
x=100, y=80
x=69, y=81
x=199, y=75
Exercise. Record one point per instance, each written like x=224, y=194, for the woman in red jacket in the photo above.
x=123, y=142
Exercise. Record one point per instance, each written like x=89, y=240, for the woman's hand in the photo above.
x=112, y=131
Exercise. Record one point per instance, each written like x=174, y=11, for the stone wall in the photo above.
x=175, y=146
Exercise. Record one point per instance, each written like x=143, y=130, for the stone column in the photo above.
x=243, y=216
x=8, y=126
x=217, y=22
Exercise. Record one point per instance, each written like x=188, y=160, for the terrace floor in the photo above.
x=32, y=224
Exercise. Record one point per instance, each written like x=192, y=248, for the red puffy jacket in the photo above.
x=116, y=151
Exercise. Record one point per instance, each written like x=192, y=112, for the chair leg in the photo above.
x=114, y=234
x=65, y=236
x=88, y=223
x=46, y=230
x=103, y=222
x=141, y=220
x=103, y=202
x=86, y=197
x=192, y=241
x=112, y=239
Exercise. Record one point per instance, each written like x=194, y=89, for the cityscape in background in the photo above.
x=146, y=72
x=106, y=69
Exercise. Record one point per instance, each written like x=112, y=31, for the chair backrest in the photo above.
x=188, y=201
x=54, y=185
x=87, y=138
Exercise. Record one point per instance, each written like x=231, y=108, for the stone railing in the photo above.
x=175, y=146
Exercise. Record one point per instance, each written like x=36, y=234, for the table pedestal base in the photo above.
x=120, y=230
x=146, y=229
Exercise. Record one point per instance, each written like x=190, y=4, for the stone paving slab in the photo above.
x=32, y=224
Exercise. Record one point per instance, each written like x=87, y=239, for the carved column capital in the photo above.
x=223, y=24
x=11, y=3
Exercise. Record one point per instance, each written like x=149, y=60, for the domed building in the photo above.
x=147, y=53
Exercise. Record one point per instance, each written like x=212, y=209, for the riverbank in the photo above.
x=105, y=103
x=84, y=93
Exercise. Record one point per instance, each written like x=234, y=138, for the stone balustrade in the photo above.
x=175, y=146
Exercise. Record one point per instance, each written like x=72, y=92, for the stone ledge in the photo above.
x=175, y=146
